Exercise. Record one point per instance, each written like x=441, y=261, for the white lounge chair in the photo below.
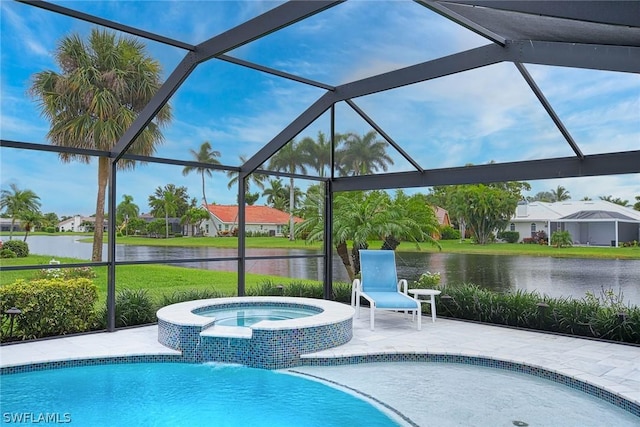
x=380, y=286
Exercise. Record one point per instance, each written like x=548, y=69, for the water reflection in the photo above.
x=552, y=276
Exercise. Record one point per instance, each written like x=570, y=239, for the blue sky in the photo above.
x=474, y=117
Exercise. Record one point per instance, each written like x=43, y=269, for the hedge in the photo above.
x=49, y=307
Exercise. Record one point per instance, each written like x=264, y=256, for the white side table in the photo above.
x=431, y=293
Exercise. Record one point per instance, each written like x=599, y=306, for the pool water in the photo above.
x=249, y=315
x=177, y=394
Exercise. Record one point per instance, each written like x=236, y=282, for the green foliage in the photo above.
x=509, y=236
x=20, y=248
x=190, y=295
x=447, y=232
x=427, y=280
x=50, y=306
x=67, y=273
x=288, y=289
x=561, y=239
x=133, y=307
x=604, y=317
x=7, y=253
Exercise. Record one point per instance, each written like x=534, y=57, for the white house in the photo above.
x=591, y=222
x=258, y=219
x=76, y=223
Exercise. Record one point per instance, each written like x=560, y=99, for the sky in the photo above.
x=483, y=115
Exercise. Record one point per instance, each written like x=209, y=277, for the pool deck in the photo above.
x=614, y=367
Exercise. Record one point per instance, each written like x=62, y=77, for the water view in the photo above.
x=557, y=277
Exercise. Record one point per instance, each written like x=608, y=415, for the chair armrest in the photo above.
x=403, y=286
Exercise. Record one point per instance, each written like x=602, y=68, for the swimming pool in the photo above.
x=182, y=394
x=380, y=394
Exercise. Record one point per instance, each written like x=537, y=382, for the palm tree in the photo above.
x=168, y=201
x=255, y=178
x=363, y=155
x=103, y=86
x=276, y=194
x=317, y=153
x=30, y=221
x=17, y=202
x=126, y=211
x=560, y=194
x=205, y=155
x=617, y=200
x=290, y=159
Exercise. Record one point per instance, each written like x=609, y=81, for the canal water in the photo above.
x=557, y=277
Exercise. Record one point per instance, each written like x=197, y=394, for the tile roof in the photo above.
x=254, y=214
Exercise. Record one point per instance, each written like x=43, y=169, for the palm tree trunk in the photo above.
x=98, y=232
x=343, y=253
x=291, y=202
x=13, y=221
x=166, y=223
x=206, y=206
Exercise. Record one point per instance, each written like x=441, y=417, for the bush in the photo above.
x=427, y=280
x=190, y=295
x=449, y=233
x=50, y=230
x=509, y=236
x=134, y=307
x=560, y=239
x=7, y=253
x=67, y=273
x=50, y=306
x=20, y=248
x=604, y=317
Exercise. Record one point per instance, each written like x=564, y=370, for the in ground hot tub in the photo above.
x=263, y=332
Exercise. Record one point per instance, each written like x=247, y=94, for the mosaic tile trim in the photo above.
x=59, y=364
x=573, y=383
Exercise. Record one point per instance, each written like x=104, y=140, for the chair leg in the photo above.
x=371, y=316
x=433, y=308
x=419, y=314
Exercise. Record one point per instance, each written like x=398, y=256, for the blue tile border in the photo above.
x=570, y=382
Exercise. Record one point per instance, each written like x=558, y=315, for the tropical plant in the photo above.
x=362, y=155
x=636, y=205
x=50, y=219
x=617, y=200
x=276, y=194
x=16, y=202
x=193, y=218
x=290, y=159
x=317, y=153
x=256, y=179
x=205, y=155
x=180, y=195
x=125, y=212
x=21, y=249
x=560, y=194
x=30, y=221
x=561, y=239
x=103, y=85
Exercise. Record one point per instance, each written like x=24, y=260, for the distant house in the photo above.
x=592, y=222
x=258, y=219
x=5, y=225
x=442, y=215
x=78, y=223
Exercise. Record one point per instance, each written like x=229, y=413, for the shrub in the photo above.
x=604, y=317
x=560, y=239
x=427, y=280
x=50, y=230
x=20, y=248
x=134, y=307
x=50, y=306
x=7, y=253
x=67, y=273
x=509, y=236
x=291, y=289
x=190, y=295
x=449, y=233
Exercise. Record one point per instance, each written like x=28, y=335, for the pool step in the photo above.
x=227, y=332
